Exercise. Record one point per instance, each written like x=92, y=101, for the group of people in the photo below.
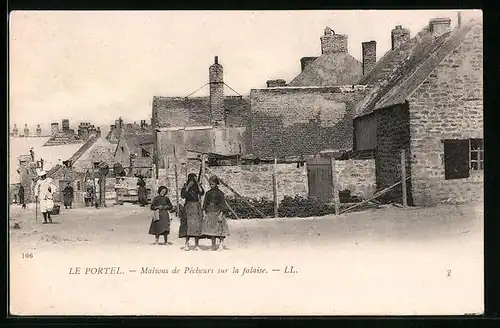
x=197, y=221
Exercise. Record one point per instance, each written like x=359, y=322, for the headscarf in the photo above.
x=161, y=188
x=214, y=179
x=191, y=176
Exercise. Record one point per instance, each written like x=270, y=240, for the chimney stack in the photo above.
x=26, y=130
x=369, y=56
x=332, y=43
x=54, y=128
x=38, y=130
x=399, y=35
x=276, y=83
x=15, y=131
x=65, y=125
x=215, y=73
x=439, y=26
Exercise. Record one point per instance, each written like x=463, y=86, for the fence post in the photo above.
x=275, y=188
x=176, y=183
x=336, y=199
x=403, y=177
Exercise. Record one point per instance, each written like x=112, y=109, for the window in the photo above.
x=145, y=153
x=461, y=157
x=476, y=154
x=122, y=149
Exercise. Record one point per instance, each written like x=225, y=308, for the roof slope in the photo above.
x=403, y=69
x=330, y=70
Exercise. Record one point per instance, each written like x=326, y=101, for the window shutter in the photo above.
x=456, y=159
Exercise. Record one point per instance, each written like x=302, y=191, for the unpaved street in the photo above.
x=389, y=260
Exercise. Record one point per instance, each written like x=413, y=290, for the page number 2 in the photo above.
x=448, y=273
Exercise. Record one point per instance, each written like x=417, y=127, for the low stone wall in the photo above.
x=255, y=181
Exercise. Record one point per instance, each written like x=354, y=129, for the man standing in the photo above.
x=142, y=191
x=21, y=196
x=68, y=195
x=44, y=193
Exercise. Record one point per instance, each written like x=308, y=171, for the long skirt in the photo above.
x=46, y=205
x=162, y=226
x=142, y=194
x=194, y=217
x=68, y=200
x=215, y=225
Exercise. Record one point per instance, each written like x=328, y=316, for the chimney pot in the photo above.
x=333, y=43
x=216, y=59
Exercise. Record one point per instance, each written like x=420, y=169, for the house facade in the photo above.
x=427, y=99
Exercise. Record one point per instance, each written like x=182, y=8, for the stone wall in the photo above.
x=358, y=176
x=393, y=134
x=448, y=105
x=255, y=181
x=309, y=120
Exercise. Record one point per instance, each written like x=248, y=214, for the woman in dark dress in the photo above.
x=193, y=215
x=160, y=225
x=215, y=220
x=142, y=191
x=68, y=193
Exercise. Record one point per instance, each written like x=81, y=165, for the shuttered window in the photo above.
x=456, y=159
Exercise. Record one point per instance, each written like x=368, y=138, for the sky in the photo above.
x=98, y=66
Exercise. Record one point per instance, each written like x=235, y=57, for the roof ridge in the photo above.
x=460, y=33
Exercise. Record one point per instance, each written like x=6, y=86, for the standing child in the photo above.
x=160, y=223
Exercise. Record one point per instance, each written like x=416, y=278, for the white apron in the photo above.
x=45, y=197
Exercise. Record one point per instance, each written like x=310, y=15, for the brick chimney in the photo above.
x=15, y=131
x=54, y=128
x=276, y=83
x=306, y=61
x=439, y=26
x=333, y=43
x=369, y=56
x=399, y=35
x=26, y=130
x=38, y=130
x=215, y=73
x=65, y=125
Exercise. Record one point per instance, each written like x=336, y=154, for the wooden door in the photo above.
x=319, y=178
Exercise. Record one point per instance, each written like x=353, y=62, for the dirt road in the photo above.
x=390, y=260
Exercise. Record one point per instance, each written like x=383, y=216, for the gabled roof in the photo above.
x=403, y=70
x=330, y=70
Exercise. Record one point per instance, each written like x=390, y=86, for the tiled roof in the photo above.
x=330, y=70
x=402, y=70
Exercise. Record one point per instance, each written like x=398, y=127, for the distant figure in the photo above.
x=44, y=193
x=68, y=193
x=32, y=154
x=215, y=221
x=192, y=215
x=160, y=223
x=21, y=196
x=142, y=191
x=89, y=196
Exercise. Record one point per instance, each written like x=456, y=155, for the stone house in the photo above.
x=134, y=152
x=426, y=98
x=314, y=112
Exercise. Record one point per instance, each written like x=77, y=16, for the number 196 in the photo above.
x=27, y=255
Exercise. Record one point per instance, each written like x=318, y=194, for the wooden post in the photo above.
x=275, y=188
x=336, y=199
x=202, y=170
x=176, y=183
x=403, y=177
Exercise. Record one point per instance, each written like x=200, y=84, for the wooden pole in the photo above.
x=202, y=170
x=335, y=188
x=275, y=188
x=403, y=177
x=176, y=183
x=238, y=195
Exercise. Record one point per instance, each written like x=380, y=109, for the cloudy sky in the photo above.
x=100, y=65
